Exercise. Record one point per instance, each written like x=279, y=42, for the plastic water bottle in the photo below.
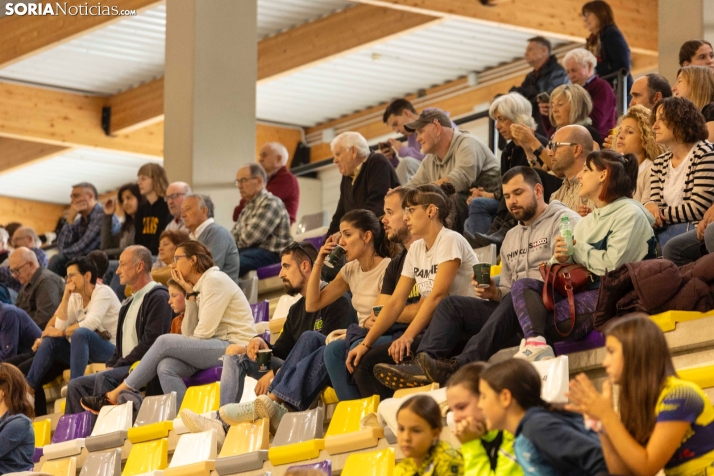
x=566, y=231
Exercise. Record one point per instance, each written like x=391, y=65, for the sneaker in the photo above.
x=235, y=413
x=401, y=375
x=267, y=408
x=94, y=403
x=534, y=352
x=436, y=370
x=63, y=392
x=197, y=423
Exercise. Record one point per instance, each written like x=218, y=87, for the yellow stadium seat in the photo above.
x=134, y=365
x=148, y=456
x=43, y=432
x=61, y=467
x=667, y=321
x=702, y=376
x=299, y=437
x=344, y=433
x=374, y=463
x=329, y=396
x=496, y=269
x=58, y=382
x=202, y=398
x=405, y=392
x=246, y=437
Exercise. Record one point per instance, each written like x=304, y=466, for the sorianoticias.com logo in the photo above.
x=57, y=8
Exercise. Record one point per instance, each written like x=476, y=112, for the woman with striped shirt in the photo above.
x=683, y=178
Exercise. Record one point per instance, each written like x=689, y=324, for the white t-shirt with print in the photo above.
x=365, y=286
x=421, y=265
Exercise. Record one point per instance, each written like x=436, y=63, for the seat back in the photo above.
x=284, y=303
x=404, y=392
x=261, y=311
x=246, y=437
x=43, y=432
x=114, y=418
x=297, y=427
x=156, y=409
x=349, y=413
x=61, y=467
x=102, y=464
x=194, y=448
x=312, y=221
x=374, y=463
x=487, y=254
x=323, y=467
x=202, y=398
x=71, y=427
x=204, y=376
x=146, y=457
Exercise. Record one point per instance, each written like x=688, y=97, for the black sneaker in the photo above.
x=400, y=376
x=436, y=370
x=94, y=403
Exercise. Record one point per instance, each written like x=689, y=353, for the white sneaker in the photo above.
x=534, y=353
x=267, y=408
x=197, y=423
x=63, y=392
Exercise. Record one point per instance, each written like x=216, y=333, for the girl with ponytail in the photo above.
x=548, y=441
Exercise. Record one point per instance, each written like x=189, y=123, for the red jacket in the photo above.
x=283, y=185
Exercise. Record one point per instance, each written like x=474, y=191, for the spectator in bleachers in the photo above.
x=662, y=421
x=366, y=177
x=635, y=136
x=440, y=264
x=570, y=104
x=419, y=437
x=619, y=232
x=11, y=228
x=696, y=53
x=696, y=83
x=177, y=301
x=567, y=152
x=547, y=75
x=263, y=226
x=101, y=261
x=649, y=90
x=153, y=215
x=41, y=291
x=606, y=41
x=197, y=216
x=580, y=65
x=683, y=178
x=17, y=436
x=24, y=236
x=175, y=193
x=4, y=246
x=81, y=233
x=142, y=319
x=18, y=332
x=217, y=315
x=297, y=262
x=273, y=158
x=129, y=199
x=548, y=441
x=83, y=329
x=484, y=452
x=488, y=323
x=168, y=241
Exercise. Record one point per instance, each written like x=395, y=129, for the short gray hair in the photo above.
x=582, y=57
x=352, y=139
x=28, y=231
x=4, y=237
x=141, y=253
x=281, y=150
x=203, y=201
x=256, y=170
x=515, y=107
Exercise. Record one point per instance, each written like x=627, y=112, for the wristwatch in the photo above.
x=193, y=294
x=538, y=151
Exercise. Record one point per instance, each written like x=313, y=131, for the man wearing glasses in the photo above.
x=175, y=193
x=23, y=236
x=568, y=150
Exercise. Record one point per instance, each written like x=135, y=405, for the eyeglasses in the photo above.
x=409, y=210
x=242, y=181
x=176, y=257
x=16, y=271
x=174, y=196
x=554, y=145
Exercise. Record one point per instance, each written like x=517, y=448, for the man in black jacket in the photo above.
x=142, y=318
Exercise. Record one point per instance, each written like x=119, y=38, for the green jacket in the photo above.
x=477, y=462
x=443, y=460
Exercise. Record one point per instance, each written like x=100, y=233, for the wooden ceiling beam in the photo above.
x=15, y=153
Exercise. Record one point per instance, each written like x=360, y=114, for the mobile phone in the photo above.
x=543, y=97
x=384, y=145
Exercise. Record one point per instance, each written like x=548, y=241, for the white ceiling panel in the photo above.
x=51, y=180
x=275, y=16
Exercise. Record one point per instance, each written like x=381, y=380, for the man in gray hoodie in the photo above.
x=486, y=325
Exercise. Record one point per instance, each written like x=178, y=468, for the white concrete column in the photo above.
x=209, y=96
x=679, y=21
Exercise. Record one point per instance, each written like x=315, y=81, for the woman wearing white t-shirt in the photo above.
x=683, y=178
x=440, y=263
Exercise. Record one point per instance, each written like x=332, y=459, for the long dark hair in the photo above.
x=647, y=363
x=367, y=221
x=133, y=188
x=520, y=378
x=430, y=194
x=13, y=384
x=425, y=408
x=622, y=172
x=601, y=10
x=689, y=49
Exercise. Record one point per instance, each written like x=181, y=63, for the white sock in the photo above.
x=532, y=340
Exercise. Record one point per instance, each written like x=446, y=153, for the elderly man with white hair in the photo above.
x=23, y=237
x=281, y=183
x=366, y=177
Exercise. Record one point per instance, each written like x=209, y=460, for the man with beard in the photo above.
x=296, y=266
x=482, y=327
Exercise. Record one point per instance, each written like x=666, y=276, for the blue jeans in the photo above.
x=235, y=370
x=481, y=214
x=173, y=357
x=687, y=248
x=666, y=234
x=254, y=258
x=97, y=384
x=86, y=347
x=335, y=357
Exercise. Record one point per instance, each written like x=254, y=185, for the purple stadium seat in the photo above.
x=325, y=467
x=71, y=427
x=317, y=241
x=268, y=271
x=261, y=311
x=38, y=454
x=202, y=377
x=591, y=341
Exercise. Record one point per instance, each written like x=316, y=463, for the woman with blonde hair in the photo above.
x=635, y=136
x=696, y=83
x=153, y=215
